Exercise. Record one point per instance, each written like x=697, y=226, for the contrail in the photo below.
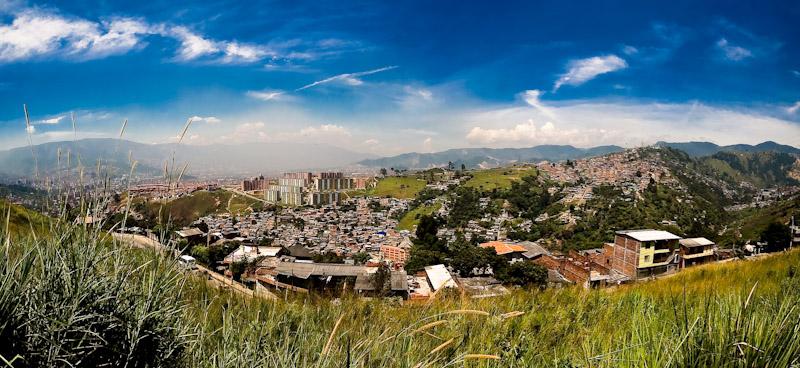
x=353, y=77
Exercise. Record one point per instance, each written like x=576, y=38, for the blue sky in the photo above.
x=386, y=78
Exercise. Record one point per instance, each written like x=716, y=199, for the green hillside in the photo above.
x=762, y=169
x=184, y=210
x=403, y=187
x=411, y=218
x=21, y=220
x=499, y=178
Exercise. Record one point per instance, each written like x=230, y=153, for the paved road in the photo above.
x=214, y=278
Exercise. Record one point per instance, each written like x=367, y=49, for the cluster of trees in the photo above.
x=464, y=206
x=467, y=258
x=528, y=197
x=214, y=253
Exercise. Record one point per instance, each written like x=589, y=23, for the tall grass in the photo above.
x=72, y=296
x=76, y=298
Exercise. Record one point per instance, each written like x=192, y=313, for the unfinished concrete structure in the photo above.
x=697, y=251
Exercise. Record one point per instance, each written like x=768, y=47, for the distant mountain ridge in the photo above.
x=700, y=149
x=218, y=159
x=488, y=157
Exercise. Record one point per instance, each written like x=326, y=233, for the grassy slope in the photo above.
x=21, y=219
x=398, y=187
x=752, y=221
x=411, y=218
x=186, y=209
x=500, y=178
x=697, y=318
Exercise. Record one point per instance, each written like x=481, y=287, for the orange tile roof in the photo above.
x=503, y=248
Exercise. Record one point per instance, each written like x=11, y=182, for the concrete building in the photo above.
x=696, y=251
x=257, y=183
x=642, y=253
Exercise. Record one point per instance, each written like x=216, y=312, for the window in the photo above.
x=647, y=259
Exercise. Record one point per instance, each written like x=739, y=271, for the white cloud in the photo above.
x=586, y=124
x=371, y=142
x=51, y=121
x=427, y=144
x=249, y=127
x=793, y=109
x=532, y=96
x=419, y=131
x=733, y=52
x=520, y=133
x=324, y=129
x=35, y=33
x=30, y=129
x=267, y=95
x=193, y=45
x=583, y=70
x=351, y=79
x=630, y=50
x=422, y=93
x=239, y=52
x=207, y=119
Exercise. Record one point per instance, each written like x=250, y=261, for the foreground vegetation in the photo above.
x=78, y=300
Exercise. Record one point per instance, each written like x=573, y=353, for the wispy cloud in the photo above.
x=733, y=52
x=583, y=70
x=206, y=119
x=35, y=33
x=351, y=79
x=268, y=95
x=51, y=121
x=793, y=109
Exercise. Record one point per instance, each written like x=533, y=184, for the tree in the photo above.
x=383, y=171
x=200, y=252
x=361, y=257
x=381, y=280
x=523, y=273
x=463, y=167
x=237, y=268
x=777, y=236
x=420, y=258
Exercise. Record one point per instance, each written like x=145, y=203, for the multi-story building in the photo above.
x=696, y=251
x=257, y=183
x=332, y=181
x=642, y=253
x=290, y=190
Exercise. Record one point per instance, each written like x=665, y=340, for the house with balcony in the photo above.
x=643, y=253
x=697, y=251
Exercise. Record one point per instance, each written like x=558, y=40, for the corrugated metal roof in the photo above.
x=696, y=242
x=649, y=235
x=439, y=277
x=306, y=270
x=503, y=248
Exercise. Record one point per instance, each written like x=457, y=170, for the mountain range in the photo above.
x=272, y=158
x=488, y=157
x=492, y=157
x=243, y=159
x=699, y=149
